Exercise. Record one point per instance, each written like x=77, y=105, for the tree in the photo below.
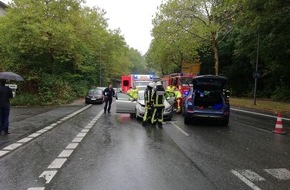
x=57, y=43
x=197, y=23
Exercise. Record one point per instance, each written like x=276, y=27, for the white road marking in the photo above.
x=261, y=114
x=34, y=135
x=85, y=130
x=36, y=188
x=25, y=140
x=72, y=145
x=3, y=152
x=57, y=163
x=251, y=175
x=280, y=173
x=245, y=180
x=48, y=175
x=42, y=131
x=48, y=127
x=81, y=135
x=12, y=146
x=185, y=133
x=77, y=139
x=65, y=153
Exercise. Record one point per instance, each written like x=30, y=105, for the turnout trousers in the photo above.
x=157, y=116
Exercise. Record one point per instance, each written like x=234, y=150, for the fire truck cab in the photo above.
x=182, y=82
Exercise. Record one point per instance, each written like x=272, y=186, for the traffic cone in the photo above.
x=279, y=126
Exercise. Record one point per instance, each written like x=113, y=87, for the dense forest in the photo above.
x=63, y=48
x=233, y=38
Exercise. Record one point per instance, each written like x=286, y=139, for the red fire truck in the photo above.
x=135, y=80
x=182, y=82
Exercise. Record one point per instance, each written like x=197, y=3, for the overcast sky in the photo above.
x=133, y=17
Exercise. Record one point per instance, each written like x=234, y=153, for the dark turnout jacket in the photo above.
x=5, y=95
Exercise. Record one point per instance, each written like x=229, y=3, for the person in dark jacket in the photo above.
x=108, y=94
x=5, y=95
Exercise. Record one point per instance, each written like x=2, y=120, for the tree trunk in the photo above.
x=216, y=55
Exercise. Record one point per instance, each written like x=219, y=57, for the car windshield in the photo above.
x=95, y=92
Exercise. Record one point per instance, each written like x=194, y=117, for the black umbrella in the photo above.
x=11, y=76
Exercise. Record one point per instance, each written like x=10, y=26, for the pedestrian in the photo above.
x=158, y=104
x=148, y=103
x=108, y=94
x=5, y=95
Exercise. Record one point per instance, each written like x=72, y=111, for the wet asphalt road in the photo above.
x=91, y=150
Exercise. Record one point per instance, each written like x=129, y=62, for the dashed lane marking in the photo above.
x=3, y=152
x=64, y=155
x=245, y=180
x=25, y=140
x=47, y=176
x=72, y=145
x=36, y=188
x=12, y=146
x=280, y=173
x=57, y=163
x=185, y=133
x=251, y=175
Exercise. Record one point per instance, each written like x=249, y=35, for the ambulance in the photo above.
x=136, y=80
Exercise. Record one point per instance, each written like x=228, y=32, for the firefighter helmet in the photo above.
x=151, y=84
x=158, y=83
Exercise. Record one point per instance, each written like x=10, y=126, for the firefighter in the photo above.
x=158, y=104
x=170, y=91
x=148, y=103
x=133, y=92
x=178, y=99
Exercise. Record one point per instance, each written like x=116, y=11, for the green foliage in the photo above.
x=185, y=30
x=59, y=47
x=25, y=99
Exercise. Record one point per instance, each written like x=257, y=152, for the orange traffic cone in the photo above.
x=279, y=126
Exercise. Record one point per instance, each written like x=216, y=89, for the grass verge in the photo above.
x=262, y=105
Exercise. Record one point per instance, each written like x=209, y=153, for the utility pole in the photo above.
x=100, y=67
x=256, y=74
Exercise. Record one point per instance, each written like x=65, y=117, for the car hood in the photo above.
x=209, y=82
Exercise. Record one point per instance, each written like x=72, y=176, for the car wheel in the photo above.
x=186, y=120
x=225, y=122
x=169, y=118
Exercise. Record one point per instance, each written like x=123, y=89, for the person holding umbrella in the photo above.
x=5, y=95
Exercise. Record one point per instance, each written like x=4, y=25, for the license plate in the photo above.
x=93, y=99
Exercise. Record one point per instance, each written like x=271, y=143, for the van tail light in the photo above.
x=226, y=113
